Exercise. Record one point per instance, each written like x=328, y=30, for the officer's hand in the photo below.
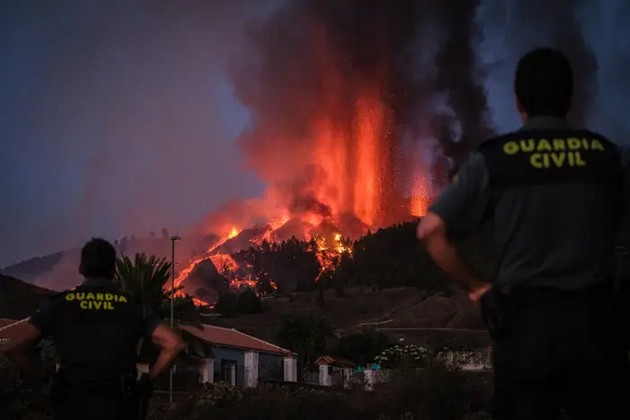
x=477, y=292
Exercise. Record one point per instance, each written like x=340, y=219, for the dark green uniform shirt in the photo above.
x=95, y=328
x=553, y=195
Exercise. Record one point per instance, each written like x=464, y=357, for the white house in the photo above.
x=241, y=359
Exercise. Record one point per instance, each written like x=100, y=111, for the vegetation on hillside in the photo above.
x=432, y=393
x=19, y=299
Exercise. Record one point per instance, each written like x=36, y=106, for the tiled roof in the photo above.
x=229, y=337
x=5, y=324
x=334, y=361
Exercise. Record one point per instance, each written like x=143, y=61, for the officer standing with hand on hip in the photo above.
x=96, y=329
x=554, y=197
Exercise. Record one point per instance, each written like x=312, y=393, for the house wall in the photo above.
x=222, y=354
x=270, y=367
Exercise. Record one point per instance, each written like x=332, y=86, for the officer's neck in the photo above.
x=97, y=281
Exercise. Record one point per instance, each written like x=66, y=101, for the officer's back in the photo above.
x=555, y=196
x=96, y=329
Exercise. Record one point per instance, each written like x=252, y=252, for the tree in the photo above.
x=145, y=278
x=305, y=335
x=231, y=304
x=362, y=348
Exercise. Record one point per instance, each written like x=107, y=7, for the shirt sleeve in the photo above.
x=42, y=317
x=463, y=204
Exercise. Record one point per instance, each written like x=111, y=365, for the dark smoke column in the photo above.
x=536, y=23
x=349, y=97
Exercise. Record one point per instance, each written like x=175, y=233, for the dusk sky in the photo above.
x=118, y=117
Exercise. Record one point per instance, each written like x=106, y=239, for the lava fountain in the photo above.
x=358, y=109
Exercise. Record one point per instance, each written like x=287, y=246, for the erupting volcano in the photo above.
x=358, y=109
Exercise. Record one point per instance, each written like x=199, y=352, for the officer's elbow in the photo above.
x=174, y=345
x=430, y=227
x=167, y=339
x=178, y=346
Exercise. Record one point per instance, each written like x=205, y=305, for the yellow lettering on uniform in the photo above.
x=585, y=143
x=528, y=145
x=109, y=296
x=571, y=159
x=122, y=299
x=84, y=304
x=108, y=305
x=578, y=159
x=535, y=160
x=99, y=296
x=597, y=145
x=510, y=148
x=573, y=143
x=69, y=297
x=558, y=159
x=543, y=145
x=545, y=160
x=97, y=305
x=90, y=296
x=558, y=144
x=80, y=296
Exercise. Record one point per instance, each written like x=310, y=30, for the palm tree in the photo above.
x=145, y=278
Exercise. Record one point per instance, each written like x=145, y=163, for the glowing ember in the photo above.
x=233, y=232
x=224, y=263
x=329, y=256
x=199, y=302
x=239, y=284
x=420, y=196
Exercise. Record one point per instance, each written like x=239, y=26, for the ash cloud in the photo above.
x=117, y=118
x=514, y=27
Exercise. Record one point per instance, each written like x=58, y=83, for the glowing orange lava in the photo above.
x=329, y=255
x=420, y=197
x=224, y=263
x=342, y=172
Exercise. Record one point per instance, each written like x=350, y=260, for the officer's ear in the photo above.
x=520, y=108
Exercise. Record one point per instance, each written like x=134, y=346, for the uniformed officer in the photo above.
x=96, y=329
x=552, y=194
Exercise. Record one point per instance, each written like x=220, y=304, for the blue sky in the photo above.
x=117, y=117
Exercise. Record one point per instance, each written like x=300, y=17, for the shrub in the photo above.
x=232, y=304
x=247, y=302
x=433, y=392
x=408, y=355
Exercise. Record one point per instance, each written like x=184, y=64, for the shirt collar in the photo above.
x=545, y=122
x=98, y=282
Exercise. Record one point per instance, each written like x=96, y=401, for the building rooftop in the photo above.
x=229, y=337
x=5, y=324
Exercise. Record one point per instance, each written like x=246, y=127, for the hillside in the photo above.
x=407, y=312
x=19, y=299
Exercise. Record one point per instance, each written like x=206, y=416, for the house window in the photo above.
x=228, y=371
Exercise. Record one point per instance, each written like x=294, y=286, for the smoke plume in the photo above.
x=514, y=27
x=357, y=104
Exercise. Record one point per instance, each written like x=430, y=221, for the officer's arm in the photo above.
x=170, y=344
x=21, y=339
x=460, y=208
x=432, y=232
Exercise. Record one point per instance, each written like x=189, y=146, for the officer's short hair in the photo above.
x=98, y=259
x=544, y=83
